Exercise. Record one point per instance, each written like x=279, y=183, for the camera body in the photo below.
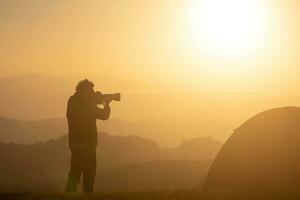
x=105, y=98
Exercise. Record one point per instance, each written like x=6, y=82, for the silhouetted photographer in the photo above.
x=82, y=113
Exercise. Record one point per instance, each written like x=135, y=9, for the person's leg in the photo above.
x=75, y=171
x=89, y=171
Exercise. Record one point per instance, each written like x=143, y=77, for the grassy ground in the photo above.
x=179, y=195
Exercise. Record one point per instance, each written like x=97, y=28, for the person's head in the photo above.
x=85, y=88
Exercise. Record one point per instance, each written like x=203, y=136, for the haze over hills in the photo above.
x=122, y=155
x=35, y=97
x=180, y=112
x=32, y=131
x=29, y=132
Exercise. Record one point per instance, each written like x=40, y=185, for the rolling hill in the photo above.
x=29, y=132
x=23, y=166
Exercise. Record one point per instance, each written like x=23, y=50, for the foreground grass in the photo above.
x=176, y=195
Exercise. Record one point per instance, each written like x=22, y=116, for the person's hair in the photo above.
x=84, y=85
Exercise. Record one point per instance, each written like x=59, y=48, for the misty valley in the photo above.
x=126, y=163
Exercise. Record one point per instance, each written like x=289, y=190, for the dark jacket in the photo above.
x=82, y=113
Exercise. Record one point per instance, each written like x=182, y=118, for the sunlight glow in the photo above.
x=228, y=28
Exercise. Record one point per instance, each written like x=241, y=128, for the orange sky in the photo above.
x=117, y=38
x=141, y=39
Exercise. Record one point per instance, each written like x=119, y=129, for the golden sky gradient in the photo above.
x=156, y=40
x=215, y=56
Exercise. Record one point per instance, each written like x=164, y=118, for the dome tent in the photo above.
x=263, y=153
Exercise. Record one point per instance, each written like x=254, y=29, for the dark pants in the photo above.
x=83, y=161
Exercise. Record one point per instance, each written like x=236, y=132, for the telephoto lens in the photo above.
x=112, y=97
x=102, y=98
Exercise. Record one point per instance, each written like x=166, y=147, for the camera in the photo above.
x=103, y=98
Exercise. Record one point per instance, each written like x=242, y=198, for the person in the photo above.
x=82, y=113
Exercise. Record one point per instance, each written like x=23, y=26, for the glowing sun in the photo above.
x=227, y=27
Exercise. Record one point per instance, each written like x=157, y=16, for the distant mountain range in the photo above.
x=169, y=113
x=119, y=159
x=29, y=132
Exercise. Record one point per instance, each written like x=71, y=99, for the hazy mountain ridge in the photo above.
x=50, y=160
x=36, y=96
x=29, y=132
x=16, y=131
